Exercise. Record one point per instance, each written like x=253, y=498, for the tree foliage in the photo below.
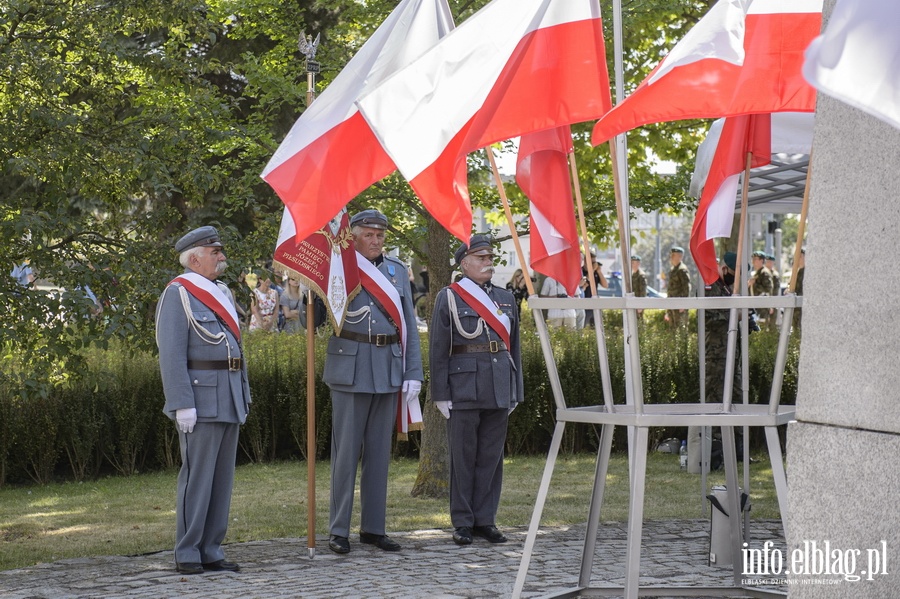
x=125, y=124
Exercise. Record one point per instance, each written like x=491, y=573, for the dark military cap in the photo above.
x=676, y=249
x=758, y=254
x=479, y=245
x=635, y=258
x=202, y=237
x=730, y=260
x=371, y=218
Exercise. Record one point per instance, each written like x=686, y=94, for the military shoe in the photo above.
x=462, y=535
x=490, y=533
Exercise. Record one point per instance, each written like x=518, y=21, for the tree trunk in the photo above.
x=433, y=479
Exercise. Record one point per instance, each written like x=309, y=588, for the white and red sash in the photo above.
x=377, y=284
x=490, y=312
x=208, y=293
x=409, y=416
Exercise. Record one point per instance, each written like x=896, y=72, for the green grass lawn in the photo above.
x=127, y=516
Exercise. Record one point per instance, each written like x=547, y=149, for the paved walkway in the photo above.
x=430, y=566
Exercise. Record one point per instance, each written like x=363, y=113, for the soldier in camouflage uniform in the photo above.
x=761, y=283
x=717, y=336
x=638, y=280
x=776, y=290
x=679, y=285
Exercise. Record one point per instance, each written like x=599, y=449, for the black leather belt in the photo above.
x=379, y=340
x=474, y=348
x=232, y=364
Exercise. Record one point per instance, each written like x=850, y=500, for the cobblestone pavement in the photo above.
x=429, y=566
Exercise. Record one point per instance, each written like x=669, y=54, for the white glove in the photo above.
x=444, y=407
x=186, y=419
x=411, y=390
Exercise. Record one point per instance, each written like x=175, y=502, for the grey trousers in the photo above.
x=205, y=482
x=476, y=444
x=361, y=428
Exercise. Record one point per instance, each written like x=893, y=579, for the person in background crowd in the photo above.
x=599, y=280
x=517, y=287
x=774, y=313
x=264, y=304
x=558, y=317
x=291, y=302
x=679, y=285
x=374, y=357
x=760, y=283
x=476, y=382
x=207, y=395
x=638, y=280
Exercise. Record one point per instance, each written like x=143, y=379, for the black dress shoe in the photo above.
x=339, y=544
x=462, y=535
x=222, y=566
x=381, y=541
x=490, y=532
x=189, y=568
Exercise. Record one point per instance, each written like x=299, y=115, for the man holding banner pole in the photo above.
x=374, y=371
x=476, y=382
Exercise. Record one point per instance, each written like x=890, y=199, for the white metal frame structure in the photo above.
x=639, y=416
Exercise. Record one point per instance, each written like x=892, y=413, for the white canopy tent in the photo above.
x=776, y=188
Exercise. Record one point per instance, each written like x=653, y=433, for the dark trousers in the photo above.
x=476, y=445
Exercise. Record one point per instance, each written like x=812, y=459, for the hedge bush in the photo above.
x=112, y=420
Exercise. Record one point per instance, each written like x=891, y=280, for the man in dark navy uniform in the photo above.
x=476, y=382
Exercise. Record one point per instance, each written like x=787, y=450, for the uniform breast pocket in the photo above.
x=462, y=376
x=207, y=319
x=340, y=364
x=206, y=399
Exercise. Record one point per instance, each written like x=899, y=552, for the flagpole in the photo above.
x=509, y=219
x=801, y=227
x=745, y=190
x=308, y=48
x=573, y=167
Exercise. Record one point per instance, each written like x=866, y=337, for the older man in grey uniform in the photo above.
x=375, y=356
x=476, y=382
x=205, y=383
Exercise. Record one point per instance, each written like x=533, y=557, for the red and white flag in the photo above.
x=514, y=67
x=740, y=135
x=330, y=155
x=325, y=261
x=721, y=159
x=857, y=58
x=542, y=172
x=742, y=57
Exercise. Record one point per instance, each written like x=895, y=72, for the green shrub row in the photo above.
x=112, y=420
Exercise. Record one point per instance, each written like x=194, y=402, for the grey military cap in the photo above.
x=203, y=237
x=371, y=218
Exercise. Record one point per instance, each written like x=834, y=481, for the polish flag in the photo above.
x=330, y=155
x=741, y=135
x=542, y=172
x=857, y=59
x=514, y=67
x=742, y=57
x=718, y=169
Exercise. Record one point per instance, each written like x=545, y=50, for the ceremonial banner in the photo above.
x=542, y=171
x=325, y=261
x=330, y=154
x=743, y=57
x=514, y=67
